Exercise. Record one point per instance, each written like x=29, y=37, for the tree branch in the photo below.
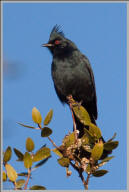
x=79, y=170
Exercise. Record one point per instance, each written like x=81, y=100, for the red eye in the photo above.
x=57, y=42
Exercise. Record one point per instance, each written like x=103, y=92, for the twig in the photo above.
x=74, y=166
x=79, y=170
x=87, y=181
x=15, y=187
x=53, y=143
x=29, y=173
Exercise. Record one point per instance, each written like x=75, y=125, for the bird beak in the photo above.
x=47, y=45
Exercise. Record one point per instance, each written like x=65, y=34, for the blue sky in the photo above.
x=99, y=31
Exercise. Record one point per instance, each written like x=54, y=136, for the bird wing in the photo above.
x=88, y=66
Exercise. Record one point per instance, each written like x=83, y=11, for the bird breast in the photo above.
x=72, y=78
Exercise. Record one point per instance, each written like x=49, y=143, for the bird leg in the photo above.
x=70, y=102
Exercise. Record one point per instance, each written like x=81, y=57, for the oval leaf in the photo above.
x=41, y=154
x=40, y=163
x=97, y=151
x=27, y=160
x=4, y=176
x=104, y=161
x=37, y=187
x=111, y=145
x=57, y=152
x=64, y=162
x=81, y=114
x=48, y=118
x=20, y=183
x=29, y=144
x=11, y=173
x=24, y=174
x=19, y=154
x=89, y=135
x=95, y=131
x=46, y=132
x=36, y=116
x=107, y=159
x=7, y=155
x=99, y=173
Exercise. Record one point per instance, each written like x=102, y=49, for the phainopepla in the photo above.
x=72, y=74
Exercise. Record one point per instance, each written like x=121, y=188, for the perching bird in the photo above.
x=72, y=74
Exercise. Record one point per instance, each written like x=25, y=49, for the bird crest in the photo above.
x=56, y=31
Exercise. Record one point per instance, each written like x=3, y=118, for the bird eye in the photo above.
x=57, y=42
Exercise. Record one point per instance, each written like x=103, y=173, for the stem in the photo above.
x=79, y=170
x=39, y=125
x=70, y=100
x=53, y=142
x=29, y=173
x=74, y=124
x=14, y=183
x=87, y=181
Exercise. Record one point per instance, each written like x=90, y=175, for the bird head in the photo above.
x=58, y=44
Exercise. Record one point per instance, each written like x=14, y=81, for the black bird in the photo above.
x=72, y=74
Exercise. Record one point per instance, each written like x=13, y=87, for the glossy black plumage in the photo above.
x=72, y=73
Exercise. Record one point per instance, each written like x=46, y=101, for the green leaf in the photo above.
x=89, y=135
x=41, y=154
x=46, y=132
x=64, y=162
x=37, y=187
x=95, y=131
x=26, y=125
x=4, y=176
x=97, y=151
x=20, y=183
x=48, y=117
x=23, y=174
x=7, y=155
x=57, y=152
x=107, y=159
x=19, y=154
x=11, y=173
x=104, y=161
x=29, y=144
x=113, y=137
x=69, y=140
x=111, y=145
x=27, y=160
x=81, y=114
x=36, y=116
x=99, y=173
x=41, y=163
